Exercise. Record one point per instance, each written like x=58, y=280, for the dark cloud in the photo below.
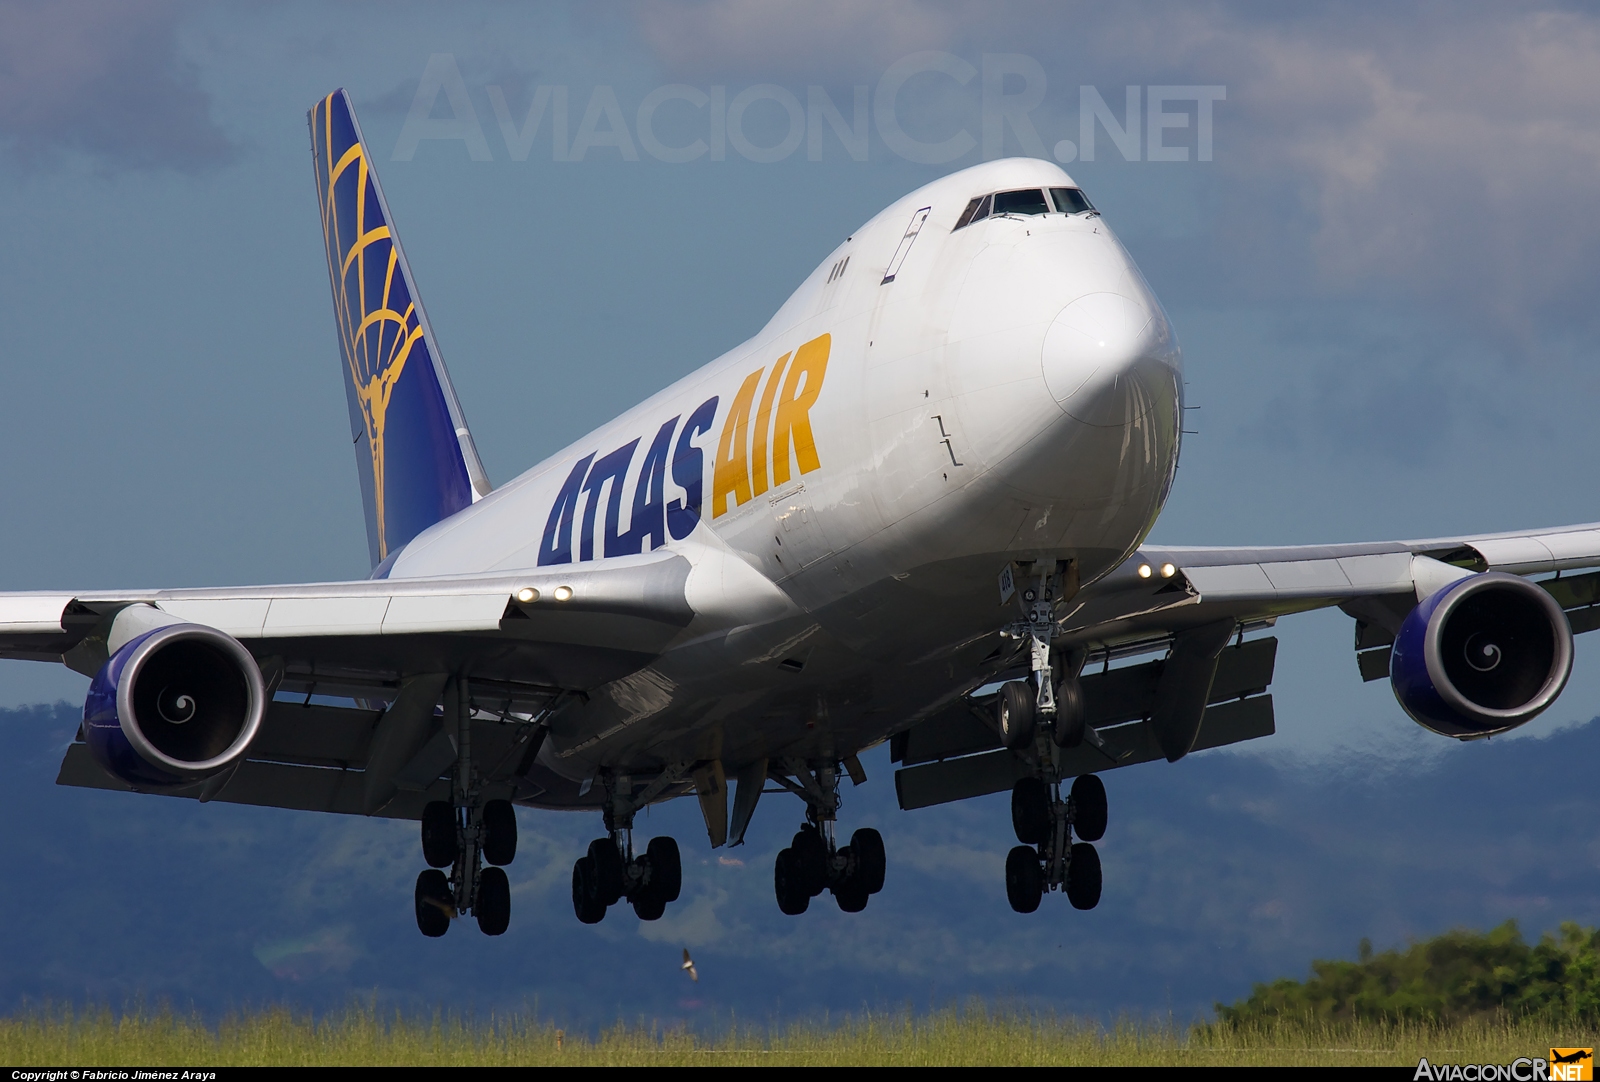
x=106, y=79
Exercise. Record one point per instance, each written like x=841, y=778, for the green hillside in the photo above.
x=1451, y=978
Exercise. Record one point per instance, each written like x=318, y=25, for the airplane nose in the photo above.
x=1108, y=358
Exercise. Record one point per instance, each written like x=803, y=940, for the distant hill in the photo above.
x=1221, y=872
x=1455, y=977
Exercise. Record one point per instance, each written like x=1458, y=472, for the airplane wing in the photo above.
x=1165, y=598
x=529, y=640
x=1376, y=582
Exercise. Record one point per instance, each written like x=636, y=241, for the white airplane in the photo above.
x=910, y=509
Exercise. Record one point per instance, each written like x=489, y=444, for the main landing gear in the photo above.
x=463, y=839
x=611, y=871
x=1039, y=718
x=813, y=862
x=463, y=834
x=1048, y=859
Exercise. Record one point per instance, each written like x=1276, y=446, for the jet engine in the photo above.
x=174, y=706
x=1480, y=656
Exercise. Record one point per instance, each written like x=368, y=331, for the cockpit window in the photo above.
x=1070, y=200
x=1026, y=201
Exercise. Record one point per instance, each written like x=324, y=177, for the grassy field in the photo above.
x=955, y=1037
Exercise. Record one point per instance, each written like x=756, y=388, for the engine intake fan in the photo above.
x=174, y=706
x=1481, y=656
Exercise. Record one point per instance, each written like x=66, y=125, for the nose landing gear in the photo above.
x=1038, y=718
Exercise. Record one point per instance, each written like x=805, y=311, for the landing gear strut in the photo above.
x=814, y=862
x=611, y=871
x=1048, y=859
x=1041, y=717
x=463, y=834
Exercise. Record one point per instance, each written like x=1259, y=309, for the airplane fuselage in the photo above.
x=931, y=405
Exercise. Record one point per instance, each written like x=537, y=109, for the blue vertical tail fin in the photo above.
x=415, y=456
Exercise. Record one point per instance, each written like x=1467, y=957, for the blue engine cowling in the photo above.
x=1482, y=655
x=174, y=706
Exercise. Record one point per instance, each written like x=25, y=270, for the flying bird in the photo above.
x=688, y=966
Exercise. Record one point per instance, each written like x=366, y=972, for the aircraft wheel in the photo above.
x=435, y=904
x=1070, y=723
x=811, y=856
x=1089, y=808
x=851, y=892
x=868, y=847
x=499, y=832
x=666, y=869
x=493, y=908
x=648, y=903
x=585, y=900
x=1030, y=810
x=1024, y=879
x=608, y=870
x=439, y=834
x=1014, y=714
x=1083, y=877
x=794, y=893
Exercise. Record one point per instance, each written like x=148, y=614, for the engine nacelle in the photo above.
x=1482, y=655
x=174, y=706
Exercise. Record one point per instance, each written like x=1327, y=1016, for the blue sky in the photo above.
x=1382, y=279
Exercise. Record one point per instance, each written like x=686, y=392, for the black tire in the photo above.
x=1030, y=811
x=494, y=902
x=851, y=892
x=666, y=869
x=648, y=904
x=1070, y=722
x=439, y=834
x=870, y=859
x=1024, y=879
x=793, y=894
x=1083, y=877
x=608, y=870
x=1014, y=714
x=584, y=901
x=1089, y=808
x=499, y=832
x=811, y=854
x=434, y=903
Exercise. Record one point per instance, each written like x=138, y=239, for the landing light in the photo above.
x=563, y=593
x=527, y=595
x=1167, y=571
x=1144, y=571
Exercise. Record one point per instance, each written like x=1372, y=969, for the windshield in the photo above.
x=1027, y=201
x=1070, y=200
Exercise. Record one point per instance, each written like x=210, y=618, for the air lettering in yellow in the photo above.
x=758, y=453
x=800, y=392
x=730, y=476
x=786, y=415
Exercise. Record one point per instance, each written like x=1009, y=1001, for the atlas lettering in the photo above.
x=766, y=439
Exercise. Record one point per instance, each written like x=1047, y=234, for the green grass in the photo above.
x=971, y=1036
